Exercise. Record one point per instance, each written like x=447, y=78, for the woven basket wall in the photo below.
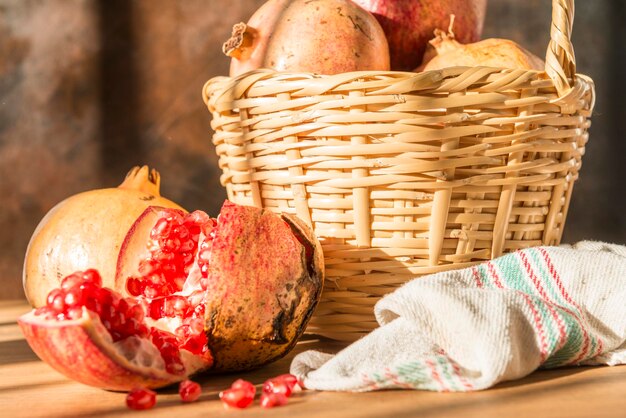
x=405, y=174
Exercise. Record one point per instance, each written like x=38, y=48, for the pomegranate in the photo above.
x=323, y=36
x=197, y=293
x=86, y=231
x=445, y=51
x=189, y=391
x=141, y=398
x=409, y=24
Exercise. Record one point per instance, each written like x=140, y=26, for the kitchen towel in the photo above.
x=469, y=329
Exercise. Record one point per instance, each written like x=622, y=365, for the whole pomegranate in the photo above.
x=86, y=231
x=444, y=51
x=409, y=25
x=197, y=293
x=322, y=36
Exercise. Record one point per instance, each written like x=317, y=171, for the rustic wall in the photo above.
x=89, y=88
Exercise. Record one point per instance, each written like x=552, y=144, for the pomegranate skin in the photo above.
x=80, y=351
x=265, y=279
x=409, y=25
x=86, y=231
x=323, y=37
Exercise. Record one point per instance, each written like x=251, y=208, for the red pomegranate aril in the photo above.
x=56, y=300
x=277, y=386
x=73, y=297
x=270, y=400
x=236, y=398
x=136, y=312
x=175, y=306
x=141, y=398
x=196, y=344
x=134, y=286
x=189, y=391
x=292, y=380
x=74, y=313
x=71, y=281
x=169, y=244
x=244, y=385
x=92, y=276
x=197, y=217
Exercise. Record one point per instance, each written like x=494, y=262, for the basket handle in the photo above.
x=560, y=58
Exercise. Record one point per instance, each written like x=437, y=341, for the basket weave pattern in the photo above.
x=405, y=174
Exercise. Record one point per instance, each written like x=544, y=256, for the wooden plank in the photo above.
x=30, y=388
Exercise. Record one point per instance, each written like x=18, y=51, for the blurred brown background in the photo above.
x=89, y=88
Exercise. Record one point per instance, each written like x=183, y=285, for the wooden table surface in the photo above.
x=30, y=388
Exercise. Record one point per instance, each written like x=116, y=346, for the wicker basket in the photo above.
x=404, y=174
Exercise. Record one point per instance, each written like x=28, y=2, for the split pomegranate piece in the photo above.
x=191, y=293
x=141, y=398
x=189, y=391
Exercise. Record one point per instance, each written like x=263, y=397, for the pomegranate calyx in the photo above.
x=143, y=179
x=240, y=42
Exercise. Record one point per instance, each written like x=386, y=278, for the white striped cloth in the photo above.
x=469, y=329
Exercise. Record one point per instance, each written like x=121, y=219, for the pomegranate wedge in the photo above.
x=83, y=350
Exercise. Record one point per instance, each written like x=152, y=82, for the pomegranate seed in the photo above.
x=196, y=217
x=161, y=228
x=135, y=312
x=270, y=400
x=141, y=398
x=235, y=398
x=195, y=344
x=181, y=232
x=291, y=380
x=244, y=385
x=277, y=386
x=74, y=313
x=56, y=300
x=156, y=308
x=92, y=276
x=71, y=281
x=189, y=391
x=73, y=297
x=45, y=311
x=169, y=244
x=134, y=286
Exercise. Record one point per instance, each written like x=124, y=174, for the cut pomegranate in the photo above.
x=236, y=398
x=270, y=400
x=141, y=398
x=189, y=391
x=191, y=293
